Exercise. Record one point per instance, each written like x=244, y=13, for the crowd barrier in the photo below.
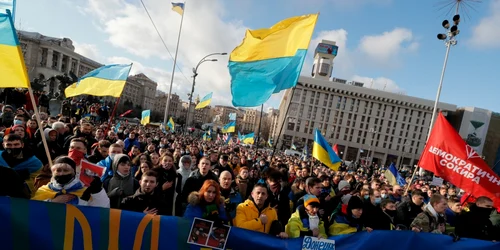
x=41, y=225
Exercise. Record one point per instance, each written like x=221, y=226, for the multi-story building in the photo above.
x=175, y=106
x=141, y=91
x=251, y=120
x=46, y=57
x=365, y=123
x=222, y=115
x=272, y=116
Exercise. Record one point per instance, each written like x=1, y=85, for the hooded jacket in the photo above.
x=118, y=187
x=54, y=149
x=211, y=212
x=248, y=216
x=183, y=172
x=298, y=225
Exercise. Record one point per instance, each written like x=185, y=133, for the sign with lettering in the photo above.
x=313, y=243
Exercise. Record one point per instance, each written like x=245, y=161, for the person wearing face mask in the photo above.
x=21, y=160
x=7, y=116
x=348, y=222
x=389, y=220
x=476, y=223
x=305, y=221
x=65, y=187
x=372, y=211
x=122, y=184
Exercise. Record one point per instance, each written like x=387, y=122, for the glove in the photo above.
x=94, y=188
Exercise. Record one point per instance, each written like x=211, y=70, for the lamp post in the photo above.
x=373, y=132
x=195, y=74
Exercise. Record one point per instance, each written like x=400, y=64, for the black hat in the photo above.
x=65, y=160
x=354, y=203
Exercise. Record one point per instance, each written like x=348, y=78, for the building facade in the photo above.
x=160, y=105
x=367, y=124
x=272, y=117
x=46, y=57
x=141, y=91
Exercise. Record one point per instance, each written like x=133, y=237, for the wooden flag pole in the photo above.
x=39, y=121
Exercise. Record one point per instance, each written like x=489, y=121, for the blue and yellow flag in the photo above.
x=229, y=128
x=146, y=116
x=324, y=153
x=270, y=142
x=13, y=72
x=248, y=138
x=108, y=80
x=393, y=177
x=269, y=60
x=205, y=101
x=293, y=147
x=229, y=139
x=171, y=124
x=178, y=7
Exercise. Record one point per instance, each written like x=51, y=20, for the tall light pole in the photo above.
x=373, y=132
x=195, y=74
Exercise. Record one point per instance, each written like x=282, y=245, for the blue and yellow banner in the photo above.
x=178, y=7
x=230, y=127
x=108, y=80
x=205, y=101
x=171, y=124
x=393, y=177
x=248, y=138
x=324, y=153
x=146, y=117
x=12, y=68
x=36, y=225
x=269, y=60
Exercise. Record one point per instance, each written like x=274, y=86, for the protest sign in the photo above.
x=313, y=243
x=88, y=171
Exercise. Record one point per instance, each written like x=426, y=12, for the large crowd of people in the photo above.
x=169, y=174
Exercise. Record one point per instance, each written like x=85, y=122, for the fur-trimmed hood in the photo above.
x=194, y=199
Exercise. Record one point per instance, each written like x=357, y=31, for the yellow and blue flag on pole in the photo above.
x=270, y=142
x=393, y=177
x=178, y=7
x=293, y=147
x=108, y=80
x=171, y=124
x=229, y=128
x=248, y=138
x=269, y=60
x=205, y=101
x=323, y=152
x=13, y=72
x=146, y=116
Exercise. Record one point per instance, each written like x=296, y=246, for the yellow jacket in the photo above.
x=295, y=227
x=247, y=217
x=342, y=226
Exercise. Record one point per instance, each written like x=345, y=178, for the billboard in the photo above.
x=325, y=48
x=474, y=127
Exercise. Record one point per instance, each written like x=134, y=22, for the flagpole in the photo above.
x=283, y=123
x=260, y=124
x=37, y=115
x=173, y=68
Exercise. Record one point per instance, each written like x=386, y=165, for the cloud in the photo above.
x=487, y=33
x=204, y=31
x=358, y=3
x=88, y=50
x=380, y=83
x=387, y=47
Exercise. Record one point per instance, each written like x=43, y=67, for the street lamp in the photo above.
x=195, y=74
x=373, y=132
x=449, y=38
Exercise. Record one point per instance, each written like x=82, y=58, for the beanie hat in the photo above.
x=343, y=184
x=7, y=107
x=65, y=160
x=354, y=203
x=310, y=199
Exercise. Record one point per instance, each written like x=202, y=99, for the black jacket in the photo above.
x=407, y=211
x=194, y=183
x=476, y=224
x=141, y=201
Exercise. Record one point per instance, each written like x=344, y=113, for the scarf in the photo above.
x=53, y=189
x=432, y=211
x=313, y=222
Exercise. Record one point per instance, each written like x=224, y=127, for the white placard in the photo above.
x=436, y=181
x=310, y=243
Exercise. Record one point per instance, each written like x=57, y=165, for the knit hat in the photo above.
x=354, y=203
x=310, y=199
x=343, y=184
x=7, y=107
x=65, y=160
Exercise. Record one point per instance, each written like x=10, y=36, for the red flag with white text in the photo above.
x=448, y=156
x=336, y=149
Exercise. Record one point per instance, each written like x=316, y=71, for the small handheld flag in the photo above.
x=324, y=153
x=146, y=115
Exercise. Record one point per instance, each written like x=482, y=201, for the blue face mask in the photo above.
x=18, y=122
x=378, y=200
x=366, y=197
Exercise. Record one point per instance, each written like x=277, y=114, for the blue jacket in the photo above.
x=107, y=164
x=129, y=143
x=195, y=210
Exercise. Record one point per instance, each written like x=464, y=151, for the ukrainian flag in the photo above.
x=393, y=177
x=269, y=60
x=324, y=153
x=12, y=68
x=178, y=7
x=229, y=139
x=146, y=115
x=270, y=142
x=230, y=127
x=293, y=147
x=205, y=101
x=248, y=139
x=171, y=124
x=108, y=80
